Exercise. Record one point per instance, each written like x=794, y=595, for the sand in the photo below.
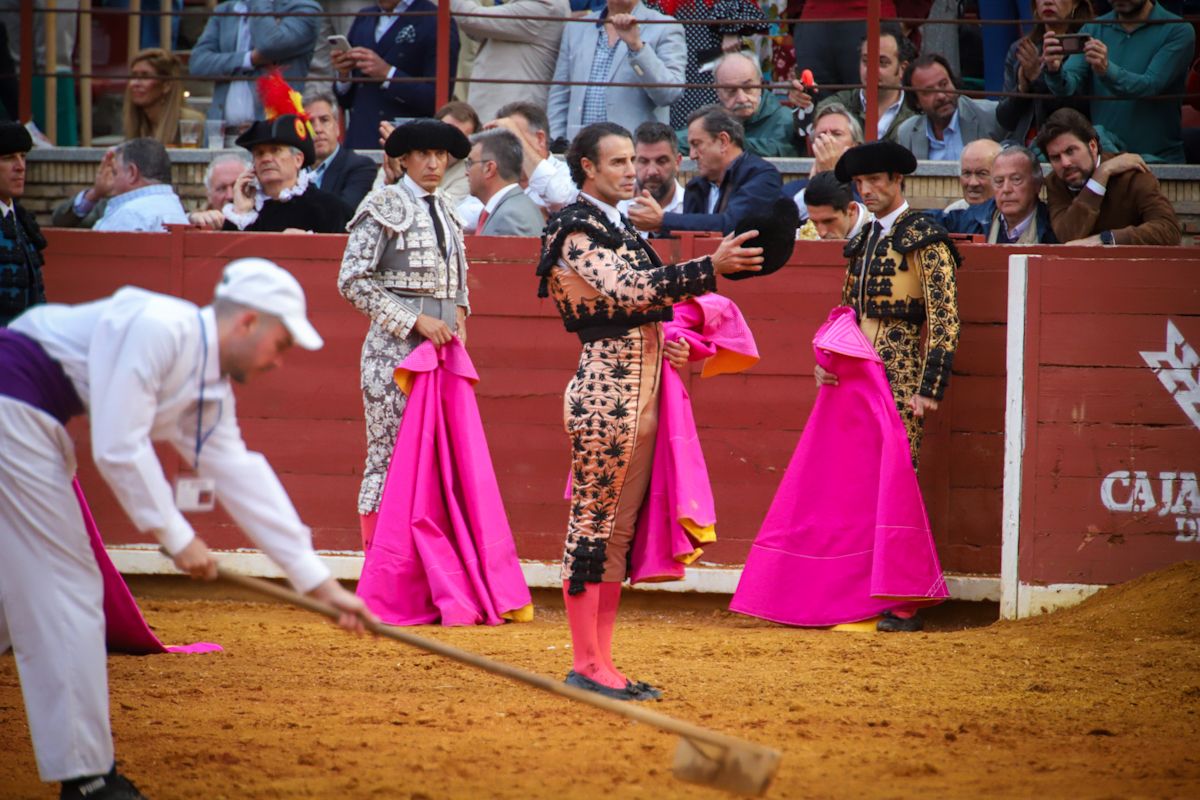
x=1098, y=701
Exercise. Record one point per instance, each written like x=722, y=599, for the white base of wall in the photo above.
x=1033, y=600
x=146, y=560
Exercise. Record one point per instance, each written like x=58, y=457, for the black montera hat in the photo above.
x=285, y=129
x=872, y=157
x=14, y=139
x=776, y=236
x=427, y=134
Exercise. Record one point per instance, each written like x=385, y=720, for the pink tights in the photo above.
x=592, y=616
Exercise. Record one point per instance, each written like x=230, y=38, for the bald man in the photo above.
x=975, y=173
x=768, y=125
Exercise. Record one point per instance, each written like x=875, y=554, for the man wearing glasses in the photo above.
x=493, y=169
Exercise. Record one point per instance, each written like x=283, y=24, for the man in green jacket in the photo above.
x=768, y=124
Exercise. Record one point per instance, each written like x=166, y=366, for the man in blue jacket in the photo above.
x=1014, y=214
x=389, y=45
x=730, y=185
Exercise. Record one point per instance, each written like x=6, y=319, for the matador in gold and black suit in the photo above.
x=899, y=281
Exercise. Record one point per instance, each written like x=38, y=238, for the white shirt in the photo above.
x=448, y=229
x=614, y=216
x=886, y=115
x=239, y=102
x=886, y=223
x=5, y=209
x=865, y=217
x=551, y=184
x=146, y=209
x=137, y=360
x=714, y=196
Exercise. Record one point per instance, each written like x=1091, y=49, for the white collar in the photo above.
x=7, y=208
x=614, y=216
x=865, y=217
x=295, y=190
x=414, y=187
x=862, y=96
x=1018, y=230
x=886, y=223
x=495, y=199
x=677, y=197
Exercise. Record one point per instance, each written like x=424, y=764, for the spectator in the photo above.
x=616, y=50
x=336, y=169
x=547, y=179
x=511, y=47
x=397, y=44
x=141, y=197
x=656, y=159
x=834, y=131
x=821, y=46
x=768, y=125
x=705, y=43
x=1014, y=215
x=277, y=194
x=832, y=209
x=219, y=178
x=154, y=97
x=948, y=120
x=1023, y=70
x=338, y=21
x=1133, y=61
x=998, y=39
x=493, y=169
x=975, y=173
x=21, y=241
x=85, y=208
x=730, y=183
x=1101, y=199
x=895, y=52
x=454, y=182
x=240, y=46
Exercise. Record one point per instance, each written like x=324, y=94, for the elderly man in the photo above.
x=832, y=209
x=1099, y=198
x=656, y=158
x=336, y=169
x=405, y=267
x=975, y=173
x=948, y=121
x=834, y=131
x=132, y=192
x=145, y=367
x=1014, y=214
x=1126, y=65
x=616, y=50
x=493, y=169
x=768, y=125
x=21, y=241
x=220, y=176
x=547, y=179
x=511, y=47
x=730, y=183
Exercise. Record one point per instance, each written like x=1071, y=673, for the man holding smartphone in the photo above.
x=1127, y=65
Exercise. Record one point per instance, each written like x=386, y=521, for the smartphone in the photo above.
x=338, y=43
x=1072, y=43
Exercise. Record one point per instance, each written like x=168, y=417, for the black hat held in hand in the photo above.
x=776, y=236
x=866, y=159
x=286, y=129
x=427, y=134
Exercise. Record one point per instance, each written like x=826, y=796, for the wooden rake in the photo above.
x=702, y=756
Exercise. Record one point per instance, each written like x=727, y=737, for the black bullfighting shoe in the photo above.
x=890, y=623
x=584, y=682
x=113, y=786
x=643, y=691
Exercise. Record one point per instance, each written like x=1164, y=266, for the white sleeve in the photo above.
x=551, y=181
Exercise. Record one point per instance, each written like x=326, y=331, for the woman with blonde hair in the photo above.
x=154, y=97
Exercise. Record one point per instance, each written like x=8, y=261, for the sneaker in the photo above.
x=584, y=682
x=113, y=786
x=890, y=623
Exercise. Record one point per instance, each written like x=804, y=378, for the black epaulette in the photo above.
x=915, y=230
x=854, y=247
x=578, y=217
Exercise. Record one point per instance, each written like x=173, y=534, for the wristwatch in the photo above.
x=1106, y=237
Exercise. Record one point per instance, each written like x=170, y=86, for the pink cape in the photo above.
x=442, y=548
x=125, y=627
x=678, y=514
x=846, y=536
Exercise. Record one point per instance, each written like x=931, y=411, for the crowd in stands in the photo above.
x=1104, y=83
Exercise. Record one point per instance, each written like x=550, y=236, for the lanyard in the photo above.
x=201, y=437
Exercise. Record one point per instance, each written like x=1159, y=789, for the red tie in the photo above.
x=483, y=215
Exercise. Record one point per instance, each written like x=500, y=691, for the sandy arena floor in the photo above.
x=1100, y=701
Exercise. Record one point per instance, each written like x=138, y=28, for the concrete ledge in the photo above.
x=1042, y=599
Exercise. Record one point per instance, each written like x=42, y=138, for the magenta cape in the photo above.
x=442, y=548
x=678, y=514
x=846, y=536
x=125, y=627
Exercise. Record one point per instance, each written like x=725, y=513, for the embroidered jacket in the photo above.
x=911, y=278
x=20, y=264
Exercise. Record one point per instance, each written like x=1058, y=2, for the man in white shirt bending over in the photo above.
x=146, y=367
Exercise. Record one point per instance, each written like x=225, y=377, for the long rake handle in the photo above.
x=634, y=712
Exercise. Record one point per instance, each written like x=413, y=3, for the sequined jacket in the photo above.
x=393, y=251
x=911, y=278
x=20, y=272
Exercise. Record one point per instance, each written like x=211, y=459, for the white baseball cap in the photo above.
x=265, y=286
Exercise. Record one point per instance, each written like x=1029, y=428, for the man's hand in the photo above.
x=731, y=43
x=1096, y=54
x=1052, y=53
x=369, y=63
x=645, y=213
x=824, y=377
x=460, y=328
x=801, y=96
x=433, y=329
x=826, y=152
x=1118, y=164
x=342, y=62
x=244, y=192
x=732, y=257
x=196, y=560
x=1030, y=63
x=385, y=130
x=106, y=173
x=532, y=156
x=211, y=220
x=626, y=26
x=920, y=404
x=676, y=352
x=353, y=609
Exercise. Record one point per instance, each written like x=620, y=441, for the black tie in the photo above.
x=437, y=224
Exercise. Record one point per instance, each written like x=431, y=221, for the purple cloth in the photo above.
x=846, y=537
x=442, y=548
x=28, y=374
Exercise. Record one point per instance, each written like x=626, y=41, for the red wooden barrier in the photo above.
x=307, y=417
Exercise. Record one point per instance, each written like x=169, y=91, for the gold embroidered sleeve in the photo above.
x=357, y=278
x=940, y=283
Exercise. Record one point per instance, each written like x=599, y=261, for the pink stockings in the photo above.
x=592, y=616
x=366, y=525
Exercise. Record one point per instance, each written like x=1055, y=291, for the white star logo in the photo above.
x=1178, y=368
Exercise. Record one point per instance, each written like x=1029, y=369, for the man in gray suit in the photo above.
x=948, y=121
x=239, y=45
x=493, y=169
x=616, y=49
